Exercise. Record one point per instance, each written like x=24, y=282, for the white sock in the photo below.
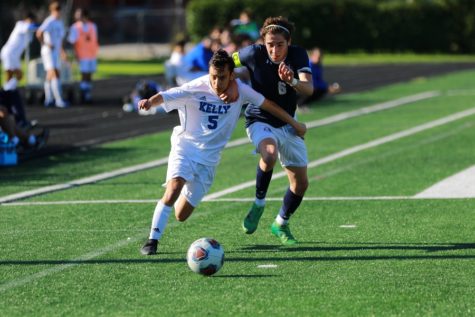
x=260, y=202
x=48, y=93
x=160, y=220
x=56, y=87
x=281, y=221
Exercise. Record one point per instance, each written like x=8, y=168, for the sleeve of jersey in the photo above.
x=250, y=95
x=303, y=62
x=241, y=57
x=174, y=98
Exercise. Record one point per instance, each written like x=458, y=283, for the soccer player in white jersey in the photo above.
x=206, y=124
x=13, y=49
x=50, y=34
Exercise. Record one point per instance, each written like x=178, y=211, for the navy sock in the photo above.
x=262, y=182
x=290, y=204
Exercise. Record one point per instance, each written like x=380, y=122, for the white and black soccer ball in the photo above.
x=205, y=256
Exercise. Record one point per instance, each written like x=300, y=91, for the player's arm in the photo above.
x=155, y=100
x=278, y=112
x=303, y=85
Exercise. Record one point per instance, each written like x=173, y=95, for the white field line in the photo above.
x=77, y=261
x=96, y=253
x=156, y=163
x=58, y=268
x=218, y=200
x=460, y=185
x=355, y=149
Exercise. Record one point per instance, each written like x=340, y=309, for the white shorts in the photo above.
x=87, y=65
x=199, y=177
x=291, y=148
x=51, y=58
x=10, y=61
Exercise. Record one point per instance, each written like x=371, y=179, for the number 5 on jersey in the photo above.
x=213, y=122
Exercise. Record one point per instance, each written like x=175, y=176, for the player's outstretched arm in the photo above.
x=155, y=100
x=278, y=112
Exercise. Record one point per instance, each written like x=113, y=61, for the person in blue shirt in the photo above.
x=195, y=62
x=320, y=86
x=279, y=71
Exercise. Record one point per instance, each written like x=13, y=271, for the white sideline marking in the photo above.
x=267, y=266
x=348, y=226
x=355, y=149
x=55, y=269
x=216, y=200
x=460, y=185
x=238, y=142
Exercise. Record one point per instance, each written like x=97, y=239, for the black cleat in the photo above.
x=150, y=247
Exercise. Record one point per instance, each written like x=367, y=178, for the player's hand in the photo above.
x=285, y=73
x=231, y=94
x=300, y=129
x=144, y=104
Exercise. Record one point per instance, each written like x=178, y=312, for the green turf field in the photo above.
x=368, y=247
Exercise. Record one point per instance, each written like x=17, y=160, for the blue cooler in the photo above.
x=8, y=155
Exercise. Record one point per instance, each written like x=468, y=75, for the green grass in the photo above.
x=404, y=257
x=365, y=58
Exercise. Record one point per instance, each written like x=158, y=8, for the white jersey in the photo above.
x=206, y=122
x=53, y=32
x=18, y=40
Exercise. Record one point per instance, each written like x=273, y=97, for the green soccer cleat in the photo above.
x=283, y=233
x=251, y=221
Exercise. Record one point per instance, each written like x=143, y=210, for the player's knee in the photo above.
x=269, y=158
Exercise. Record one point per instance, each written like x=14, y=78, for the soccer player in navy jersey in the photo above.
x=279, y=71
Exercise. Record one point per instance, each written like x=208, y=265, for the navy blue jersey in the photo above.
x=265, y=79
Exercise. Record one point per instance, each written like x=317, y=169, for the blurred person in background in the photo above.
x=50, y=34
x=22, y=137
x=13, y=49
x=320, y=86
x=83, y=36
x=195, y=62
x=245, y=25
x=175, y=62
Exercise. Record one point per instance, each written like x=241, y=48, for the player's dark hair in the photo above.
x=30, y=15
x=220, y=59
x=278, y=25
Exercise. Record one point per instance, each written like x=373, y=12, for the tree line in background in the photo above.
x=423, y=26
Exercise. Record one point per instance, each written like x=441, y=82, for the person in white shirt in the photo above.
x=50, y=34
x=206, y=124
x=13, y=49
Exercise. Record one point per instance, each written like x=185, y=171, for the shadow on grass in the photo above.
x=361, y=246
x=288, y=250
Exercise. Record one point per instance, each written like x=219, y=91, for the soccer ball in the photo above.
x=205, y=256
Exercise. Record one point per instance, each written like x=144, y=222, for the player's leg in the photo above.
x=293, y=156
x=262, y=136
x=293, y=197
x=161, y=214
x=194, y=190
x=55, y=79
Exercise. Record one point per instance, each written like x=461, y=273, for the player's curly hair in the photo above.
x=278, y=25
x=220, y=59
